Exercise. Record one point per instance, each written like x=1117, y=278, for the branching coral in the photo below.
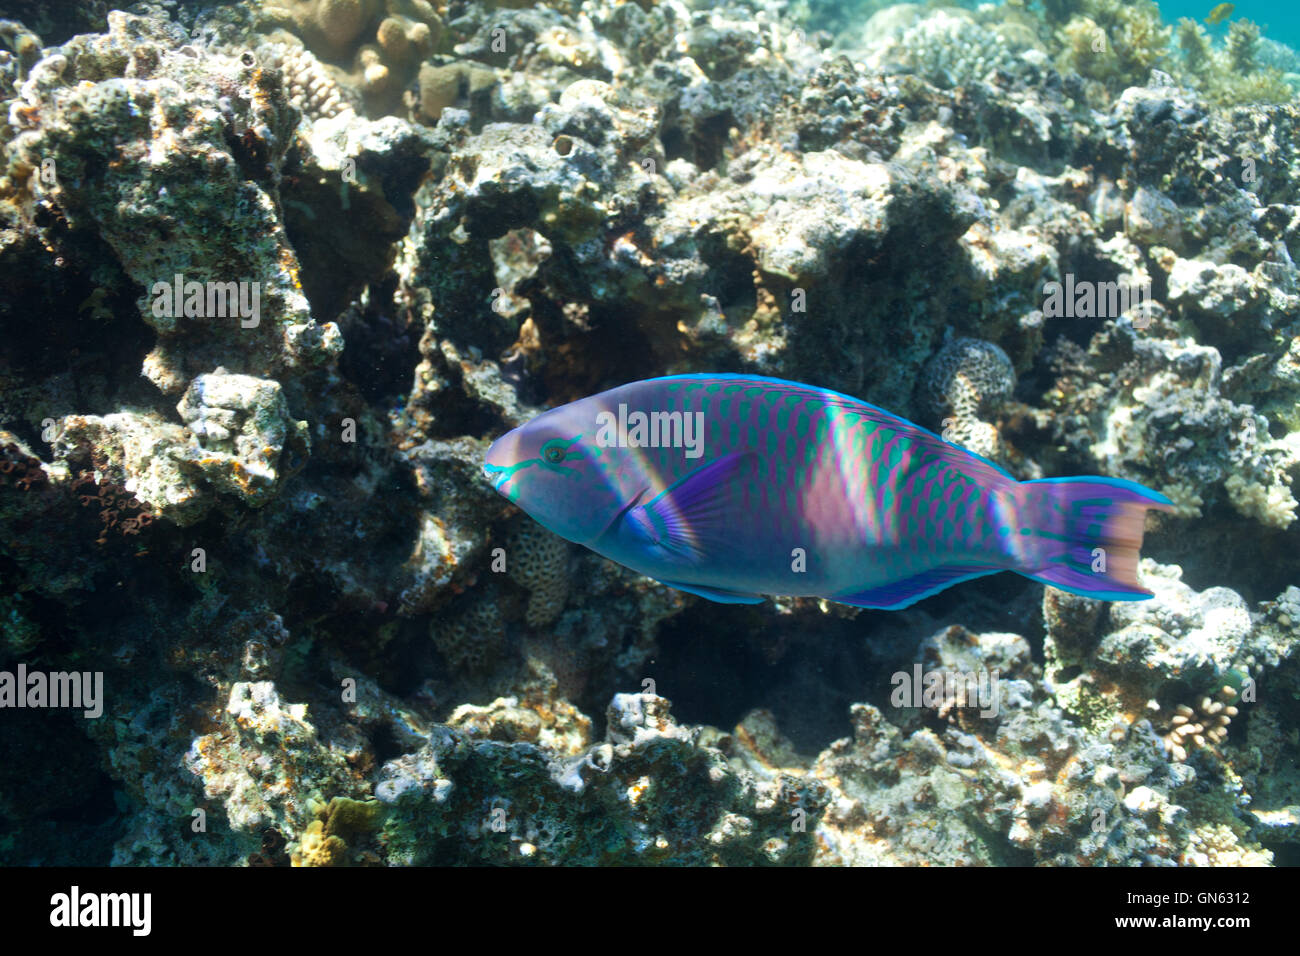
x=1234, y=75
x=1194, y=45
x=1114, y=42
x=308, y=83
x=949, y=49
x=1242, y=45
x=1202, y=726
x=401, y=33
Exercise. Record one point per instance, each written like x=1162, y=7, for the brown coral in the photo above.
x=473, y=639
x=539, y=561
x=120, y=512
x=1206, y=725
x=381, y=41
x=446, y=85
x=21, y=470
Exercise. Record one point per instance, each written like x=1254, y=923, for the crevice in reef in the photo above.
x=74, y=341
x=380, y=352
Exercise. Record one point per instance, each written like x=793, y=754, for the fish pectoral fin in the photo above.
x=692, y=517
x=716, y=594
x=900, y=594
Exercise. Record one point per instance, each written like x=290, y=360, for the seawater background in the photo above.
x=1280, y=20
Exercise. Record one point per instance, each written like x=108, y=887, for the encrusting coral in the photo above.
x=539, y=561
x=329, y=840
x=966, y=381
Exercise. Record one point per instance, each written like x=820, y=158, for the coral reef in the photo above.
x=539, y=561
x=1114, y=42
x=377, y=43
x=278, y=273
x=1235, y=74
x=651, y=792
x=948, y=48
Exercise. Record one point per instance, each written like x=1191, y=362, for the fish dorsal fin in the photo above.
x=690, y=517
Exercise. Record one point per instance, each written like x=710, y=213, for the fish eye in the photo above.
x=553, y=454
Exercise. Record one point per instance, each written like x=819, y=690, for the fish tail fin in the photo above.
x=1084, y=535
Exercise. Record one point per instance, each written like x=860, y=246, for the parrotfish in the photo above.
x=734, y=487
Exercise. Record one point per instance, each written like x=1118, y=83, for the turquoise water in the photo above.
x=1280, y=20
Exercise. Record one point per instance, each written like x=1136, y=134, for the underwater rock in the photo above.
x=144, y=452
x=650, y=792
x=1172, y=399
x=252, y=764
x=241, y=425
x=95, y=109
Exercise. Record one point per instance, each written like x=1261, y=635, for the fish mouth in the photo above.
x=502, y=459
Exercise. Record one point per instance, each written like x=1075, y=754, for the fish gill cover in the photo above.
x=279, y=273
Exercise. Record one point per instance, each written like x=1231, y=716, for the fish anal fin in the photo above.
x=720, y=595
x=900, y=594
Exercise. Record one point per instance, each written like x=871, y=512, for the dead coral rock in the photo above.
x=457, y=508
x=241, y=425
x=143, y=452
x=158, y=162
x=499, y=789
x=256, y=761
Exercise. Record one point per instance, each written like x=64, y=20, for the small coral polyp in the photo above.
x=1205, y=725
x=377, y=44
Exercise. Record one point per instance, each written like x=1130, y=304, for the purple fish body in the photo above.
x=736, y=486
